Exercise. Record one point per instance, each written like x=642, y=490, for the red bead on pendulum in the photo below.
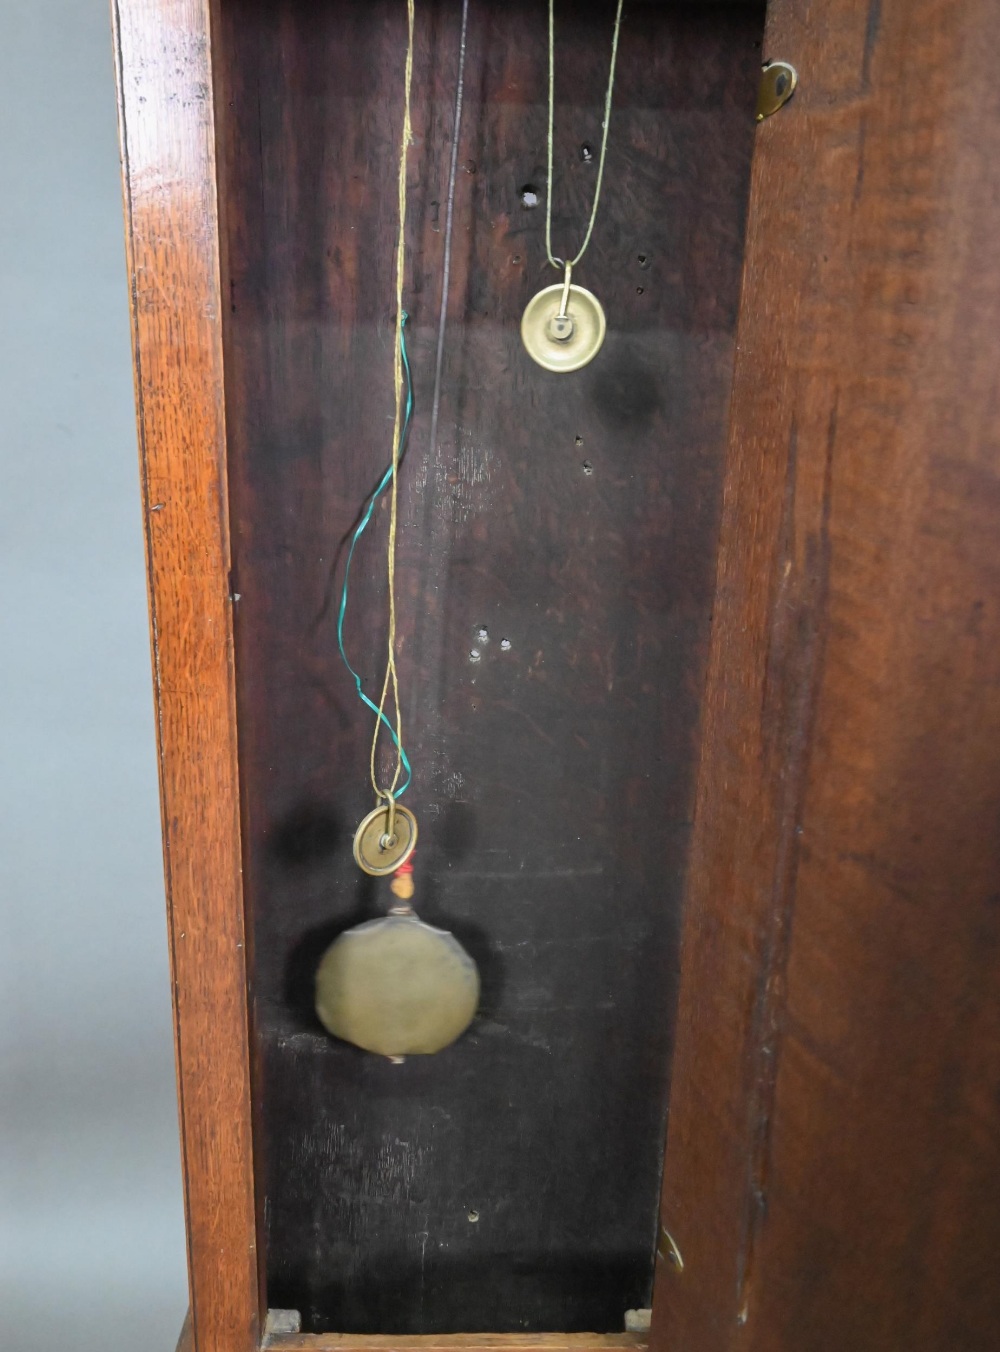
x=402, y=888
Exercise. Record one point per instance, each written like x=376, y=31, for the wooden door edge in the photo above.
x=167, y=127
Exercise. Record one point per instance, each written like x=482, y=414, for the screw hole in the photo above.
x=473, y=1215
x=578, y=440
x=505, y=645
x=587, y=152
x=588, y=467
x=516, y=258
x=483, y=634
x=529, y=196
x=639, y=290
x=475, y=655
x=643, y=260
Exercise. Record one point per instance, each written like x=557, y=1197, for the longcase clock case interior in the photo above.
x=629, y=669
x=556, y=572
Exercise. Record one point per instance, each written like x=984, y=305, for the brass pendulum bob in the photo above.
x=563, y=326
x=395, y=986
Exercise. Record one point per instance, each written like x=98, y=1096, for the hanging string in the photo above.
x=449, y=220
x=391, y=683
x=366, y=517
x=558, y=262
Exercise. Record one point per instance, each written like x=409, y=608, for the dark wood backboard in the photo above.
x=557, y=558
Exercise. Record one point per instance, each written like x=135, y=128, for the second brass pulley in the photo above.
x=563, y=336
x=385, y=840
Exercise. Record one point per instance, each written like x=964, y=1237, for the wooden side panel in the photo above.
x=169, y=167
x=833, y=1163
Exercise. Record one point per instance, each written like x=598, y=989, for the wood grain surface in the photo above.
x=558, y=551
x=459, y=1342
x=165, y=101
x=833, y=1164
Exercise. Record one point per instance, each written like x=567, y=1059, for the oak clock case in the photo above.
x=557, y=550
x=827, y=1035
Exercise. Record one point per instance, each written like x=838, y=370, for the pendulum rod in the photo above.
x=448, y=221
x=435, y=522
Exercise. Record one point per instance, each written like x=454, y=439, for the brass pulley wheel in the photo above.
x=563, y=336
x=385, y=839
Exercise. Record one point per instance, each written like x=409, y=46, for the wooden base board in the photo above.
x=449, y=1342
x=458, y=1342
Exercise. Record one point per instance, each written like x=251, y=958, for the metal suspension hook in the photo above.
x=564, y=302
x=559, y=327
x=389, y=839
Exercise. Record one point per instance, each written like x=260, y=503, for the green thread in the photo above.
x=366, y=517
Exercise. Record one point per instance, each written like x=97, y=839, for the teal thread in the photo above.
x=384, y=483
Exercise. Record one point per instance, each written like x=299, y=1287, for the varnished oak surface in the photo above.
x=166, y=120
x=833, y=1164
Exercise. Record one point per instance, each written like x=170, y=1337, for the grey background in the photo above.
x=91, y=1229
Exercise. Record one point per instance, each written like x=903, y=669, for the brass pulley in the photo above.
x=385, y=839
x=563, y=326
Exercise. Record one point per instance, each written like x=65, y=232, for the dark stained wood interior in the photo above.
x=556, y=575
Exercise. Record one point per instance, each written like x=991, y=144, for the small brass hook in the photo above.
x=667, y=1249
x=389, y=839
